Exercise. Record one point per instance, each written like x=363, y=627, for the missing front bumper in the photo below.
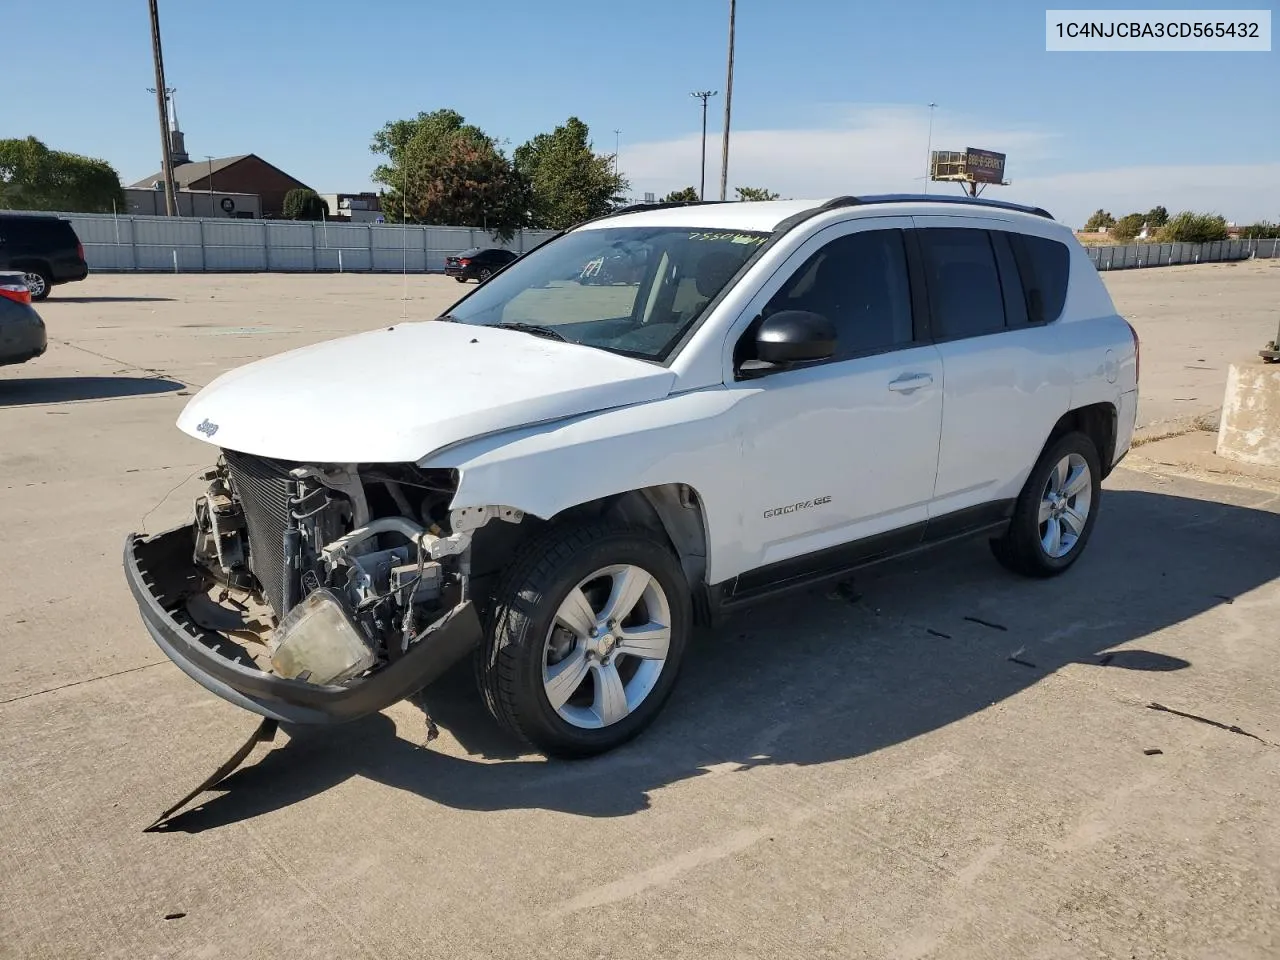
x=161, y=575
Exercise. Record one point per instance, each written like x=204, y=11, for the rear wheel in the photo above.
x=1055, y=512
x=460, y=279
x=587, y=633
x=39, y=283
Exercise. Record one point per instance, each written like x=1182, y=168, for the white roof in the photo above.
x=765, y=215
x=762, y=215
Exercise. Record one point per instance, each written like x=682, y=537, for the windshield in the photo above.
x=630, y=290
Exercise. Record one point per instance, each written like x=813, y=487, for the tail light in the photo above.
x=1137, y=352
x=79, y=249
x=17, y=292
x=464, y=263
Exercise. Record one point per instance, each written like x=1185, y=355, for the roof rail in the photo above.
x=935, y=198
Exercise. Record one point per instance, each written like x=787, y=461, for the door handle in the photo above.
x=910, y=381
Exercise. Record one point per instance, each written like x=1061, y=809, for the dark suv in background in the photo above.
x=477, y=264
x=44, y=249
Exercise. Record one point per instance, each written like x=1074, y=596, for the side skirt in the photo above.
x=799, y=573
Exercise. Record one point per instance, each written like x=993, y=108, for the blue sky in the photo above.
x=829, y=96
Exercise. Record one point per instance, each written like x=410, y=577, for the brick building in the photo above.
x=247, y=173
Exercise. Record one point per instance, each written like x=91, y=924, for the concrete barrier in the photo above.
x=1250, y=428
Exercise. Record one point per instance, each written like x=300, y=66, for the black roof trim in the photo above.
x=935, y=198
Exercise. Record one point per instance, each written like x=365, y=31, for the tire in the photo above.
x=38, y=282
x=461, y=279
x=1028, y=547
x=485, y=274
x=528, y=647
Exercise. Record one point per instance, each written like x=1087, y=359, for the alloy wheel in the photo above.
x=607, y=646
x=1064, y=506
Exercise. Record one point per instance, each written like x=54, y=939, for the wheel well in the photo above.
x=1097, y=421
x=27, y=263
x=673, y=510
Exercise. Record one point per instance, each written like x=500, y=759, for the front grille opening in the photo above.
x=262, y=486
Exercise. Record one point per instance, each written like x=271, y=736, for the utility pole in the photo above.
x=166, y=156
x=209, y=157
x=928, y=150
x=617, y=141
x=728, y=103
x=704, y=96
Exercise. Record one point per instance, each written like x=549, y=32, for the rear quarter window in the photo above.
x=1045, y=266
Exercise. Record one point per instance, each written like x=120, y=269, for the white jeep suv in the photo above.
x=563, y=475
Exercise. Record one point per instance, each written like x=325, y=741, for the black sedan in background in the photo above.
x=22, y=335
x=477, y=264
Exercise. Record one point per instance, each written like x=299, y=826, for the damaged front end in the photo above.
x=313, y=593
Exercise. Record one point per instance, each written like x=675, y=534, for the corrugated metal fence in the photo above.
x=1136, y=255
x=220, y=245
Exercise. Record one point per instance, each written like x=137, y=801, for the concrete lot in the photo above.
x=862, y=772
x=1193, y=322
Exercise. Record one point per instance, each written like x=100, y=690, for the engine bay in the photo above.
x=325, y=573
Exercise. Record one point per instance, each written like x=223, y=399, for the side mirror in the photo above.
x=791, y=337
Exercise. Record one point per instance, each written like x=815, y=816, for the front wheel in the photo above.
x=1056, y=510
x=585, y=639
x=38, y=283
x=485, y=274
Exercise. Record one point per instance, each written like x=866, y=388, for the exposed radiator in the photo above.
x=262, y=486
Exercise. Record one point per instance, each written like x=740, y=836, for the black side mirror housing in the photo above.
x=788, y=338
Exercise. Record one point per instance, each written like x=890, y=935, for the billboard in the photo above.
x=970, y=166
x=984, y=166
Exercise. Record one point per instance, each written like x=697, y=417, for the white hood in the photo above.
x=395, y=395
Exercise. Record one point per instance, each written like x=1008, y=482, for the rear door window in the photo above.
x=1045, y=268
x=1015, y=296
x=965, y=295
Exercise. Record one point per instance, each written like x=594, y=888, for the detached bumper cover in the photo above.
x=161, y=574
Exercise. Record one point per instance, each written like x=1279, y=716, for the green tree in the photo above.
x=687, y=195
x=470, y=185
x=754, y=193
x=1157, y=217
x=1262, y=230
x=422, y=138
x=568, y=181
x=1101, y=218
x=1128, y=226
x=33, y=177
x=441, y=169
x=1189, y=227
x=304, y=203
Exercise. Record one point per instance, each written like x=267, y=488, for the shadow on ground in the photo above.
x=30, y=390
x=825, y=676
x=114, y=299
